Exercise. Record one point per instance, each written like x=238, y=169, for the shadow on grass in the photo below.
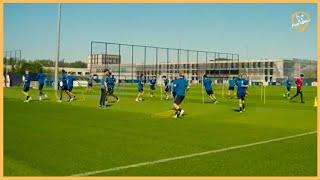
x=236, y=110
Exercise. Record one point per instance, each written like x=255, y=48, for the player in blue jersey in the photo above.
x=70, y=80
x=103, y=88
x=26, y=85
x=174, y=87
x=241, y=92
x=181, y=86
x=166, y=86
x=41, y=78
x=64, y=86
x=288, y=85
x=111, y=82
x=90, y=83
x=152, y=83
x=140, y=83
x=231, y=84
x=207, y=84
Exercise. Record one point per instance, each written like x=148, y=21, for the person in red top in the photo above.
x=299, y=84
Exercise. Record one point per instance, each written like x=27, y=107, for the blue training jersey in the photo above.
x=26, y=80
x=140, y=83
x=41, y=77
x=70, y=80
x=174, y=86
x=166, y=82
x=152, y=82
x=241, y=89
x=64, y=80
x=288, y=83
x=207, y=83
x=180, y=86
x=231, y=83
x=103, y=82
x=110, y=82
x=114, y=80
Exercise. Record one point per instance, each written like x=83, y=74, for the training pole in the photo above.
x=261, y=92
x=222, y=87
x=202, y=91
x=264, y=94
x=58, y=50
x=161, y=91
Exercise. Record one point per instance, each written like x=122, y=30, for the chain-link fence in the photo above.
x=128, y=61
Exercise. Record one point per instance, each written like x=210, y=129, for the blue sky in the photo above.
x=262, y=29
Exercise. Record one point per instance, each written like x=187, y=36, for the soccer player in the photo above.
x=103, y=88
x=181, y=85
x=41, y=78
x=64, y=86
x=70, y=79
x=111, y=82
x=140, y=88
x=299, y=83
x=288, y=84
x=166, y=87
x=207, y=84
x=241, y=92
x=152, y=84
x=26, y=86
x=173, y=89
x=231, y=84
x=90, y=83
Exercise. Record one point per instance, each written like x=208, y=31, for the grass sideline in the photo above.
x=60, y=139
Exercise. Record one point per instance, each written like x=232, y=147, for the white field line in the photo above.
x=191, y=155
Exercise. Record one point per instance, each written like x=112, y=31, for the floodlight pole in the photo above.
x=7, y=62
x=145, y=61
x=157, y=63
x=58, y=49
x=206, y=62
x=197, y=66
x=20, y=56
x=106, y=57
x=132, y=64
x=119, y=66
x=178, y=60
x=167, y=62
x=188, y=65
x=15, y=57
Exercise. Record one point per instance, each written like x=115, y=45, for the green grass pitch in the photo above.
x=62, y=139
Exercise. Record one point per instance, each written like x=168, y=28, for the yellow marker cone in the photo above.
x=315, y=102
